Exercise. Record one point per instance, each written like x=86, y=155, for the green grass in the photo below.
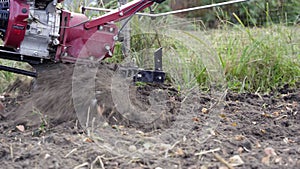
x=6, y=77
x=241, y=58
x=251, y=59
x=259, y=59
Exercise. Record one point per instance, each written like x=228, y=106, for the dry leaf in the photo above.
x=204, y=110
x=278, y=160
x=195, y=119
x=257, y=145
x=234, y=124
x=269, y=151
x=263, y=131
x=179, y=151
x=223, y=116
x=266, y=115
x=20, y=128
x=276, y=114
x=266, y=160
x=88, y=140
x=240, y=150
x=239, y=137
x=236, y=161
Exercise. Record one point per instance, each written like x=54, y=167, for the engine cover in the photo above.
x=29, y=28
x=42, y=31
x=17, y=12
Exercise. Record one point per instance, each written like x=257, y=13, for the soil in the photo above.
x=47, y=123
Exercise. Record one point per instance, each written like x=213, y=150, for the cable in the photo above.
x=126, y=22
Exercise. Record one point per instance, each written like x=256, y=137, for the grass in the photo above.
x=249, y=59
x=6, y=78
x=245, y=59
x=259, y=59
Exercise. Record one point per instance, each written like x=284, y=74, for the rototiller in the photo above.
x=38, y=31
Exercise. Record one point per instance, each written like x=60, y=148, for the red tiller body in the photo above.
x=93, y=39
x=17, y=23
x=37, y=30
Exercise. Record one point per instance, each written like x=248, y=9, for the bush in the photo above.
x=252, y=13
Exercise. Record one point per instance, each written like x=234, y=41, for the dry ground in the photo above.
x=250, y=131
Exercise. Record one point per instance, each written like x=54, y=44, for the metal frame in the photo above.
x=172, y=12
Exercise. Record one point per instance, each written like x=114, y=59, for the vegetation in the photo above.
x=252, y=13
x=260, y=58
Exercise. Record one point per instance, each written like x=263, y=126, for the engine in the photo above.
x=38, y=30
x=30, y=27
x=42, y=30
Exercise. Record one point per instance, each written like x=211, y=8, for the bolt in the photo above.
x=92, y=58
x=55, y=42
x=107, y=47
x=116, y=38
x=35, y=53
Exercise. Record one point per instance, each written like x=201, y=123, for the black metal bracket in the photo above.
x=147, y=76
x=155, y=76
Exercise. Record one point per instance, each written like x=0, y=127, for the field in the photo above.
x=231, y=101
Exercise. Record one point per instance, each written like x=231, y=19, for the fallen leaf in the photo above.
x=266, y=160
x=236, y=161
x=234, y=124
x=269, y=151
x=195, y=119
x=276, y=114
x=263, y=131
x=278, y=160
x=240, y=150
x=20, y=128
x=239, y=137
x=266, y=115
x=223, y=116
x=257, y=145
x=88, y=140
x=204, y=110
x=179, y=151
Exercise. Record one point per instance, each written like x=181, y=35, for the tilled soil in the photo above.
x=40, y=128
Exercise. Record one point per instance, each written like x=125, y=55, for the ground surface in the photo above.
x=39, y=128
